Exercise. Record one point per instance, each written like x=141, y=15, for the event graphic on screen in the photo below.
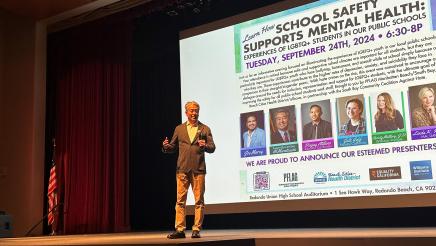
x=333, y=99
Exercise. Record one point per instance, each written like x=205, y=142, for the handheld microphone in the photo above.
x=203, y=136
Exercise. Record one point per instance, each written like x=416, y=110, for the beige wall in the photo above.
x=22, y=114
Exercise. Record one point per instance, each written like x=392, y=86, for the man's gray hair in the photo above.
x=191, y=103
x=281, y=110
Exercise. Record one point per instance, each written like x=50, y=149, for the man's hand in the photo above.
x=202, y=143
x=166, y=143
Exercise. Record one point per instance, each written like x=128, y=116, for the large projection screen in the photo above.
x=328, y=105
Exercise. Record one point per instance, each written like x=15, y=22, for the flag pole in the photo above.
x=53, y=155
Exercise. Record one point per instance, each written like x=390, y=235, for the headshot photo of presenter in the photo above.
x=191, y=139
x=425, y=113
x=317, y=128
x=387, y=117
x=355, y=124
x=253, y=136
x=281, y=130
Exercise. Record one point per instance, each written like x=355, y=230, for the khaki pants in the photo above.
x=197, y=182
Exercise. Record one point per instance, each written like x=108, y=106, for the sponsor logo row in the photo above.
x=419, y=170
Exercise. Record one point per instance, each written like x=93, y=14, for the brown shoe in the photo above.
x=176, y=234
x=195, y=234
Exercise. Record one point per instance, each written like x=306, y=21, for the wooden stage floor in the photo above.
x=276, y=237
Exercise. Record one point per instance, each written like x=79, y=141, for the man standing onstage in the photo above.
x=192, y=139
x=317, y=128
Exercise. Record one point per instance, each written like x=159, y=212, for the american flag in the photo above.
x=52, y=195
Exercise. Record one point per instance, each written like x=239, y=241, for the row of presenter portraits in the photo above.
x=387, y=110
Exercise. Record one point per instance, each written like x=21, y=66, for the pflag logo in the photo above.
x=290, y=180
x=421, y=170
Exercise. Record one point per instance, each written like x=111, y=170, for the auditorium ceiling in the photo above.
x=40, y=9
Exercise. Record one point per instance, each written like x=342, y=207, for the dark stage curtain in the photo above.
x=155, y=100
x=88, y=97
